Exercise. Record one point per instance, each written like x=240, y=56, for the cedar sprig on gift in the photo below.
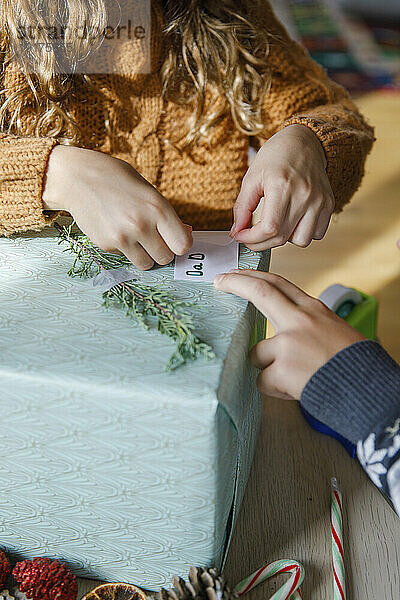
x=89, y=259
x=138, y=300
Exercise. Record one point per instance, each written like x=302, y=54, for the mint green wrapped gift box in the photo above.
x=107, y=462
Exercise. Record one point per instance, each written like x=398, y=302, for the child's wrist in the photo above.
x=53, y=180
x=304, y=131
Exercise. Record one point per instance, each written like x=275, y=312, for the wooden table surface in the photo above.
x=285, y=513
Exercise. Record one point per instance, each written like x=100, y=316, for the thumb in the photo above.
x=247, y=201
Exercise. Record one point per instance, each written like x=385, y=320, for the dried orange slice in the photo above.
x=116, y=591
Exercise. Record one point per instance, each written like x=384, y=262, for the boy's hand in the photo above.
x=308, y=334
x=115, y=206
x=289, y=172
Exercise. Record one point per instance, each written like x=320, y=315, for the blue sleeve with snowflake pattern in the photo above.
x=357, y=394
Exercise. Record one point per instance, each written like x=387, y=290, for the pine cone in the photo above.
x=203, y=584
x=5, y=569
x=45, y=579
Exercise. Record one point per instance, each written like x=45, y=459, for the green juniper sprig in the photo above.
x=89, y=259
x=140, y=301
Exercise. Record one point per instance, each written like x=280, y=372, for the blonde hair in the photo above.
x=38, y=92
x=216, y=61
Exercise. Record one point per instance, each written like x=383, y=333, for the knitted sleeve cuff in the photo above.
x=23, y=165
x=343, y=151
x=356, y=392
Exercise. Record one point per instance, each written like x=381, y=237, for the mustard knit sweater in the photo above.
x=203, y=186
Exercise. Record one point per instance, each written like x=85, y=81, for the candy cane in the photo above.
x=338, y=570
x=289, y=591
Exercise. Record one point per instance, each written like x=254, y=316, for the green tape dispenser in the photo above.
x=355, y=307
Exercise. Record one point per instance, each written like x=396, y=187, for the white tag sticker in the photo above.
x=106, y=279
x=212, y=252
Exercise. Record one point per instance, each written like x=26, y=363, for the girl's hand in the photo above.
x=289, y=172
x=308, y=334
x=115, y=206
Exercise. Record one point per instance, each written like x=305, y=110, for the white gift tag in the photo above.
x=212, y=252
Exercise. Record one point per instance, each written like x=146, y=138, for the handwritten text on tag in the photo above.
x=212, y=252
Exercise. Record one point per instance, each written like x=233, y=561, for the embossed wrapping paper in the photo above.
x=120, y=469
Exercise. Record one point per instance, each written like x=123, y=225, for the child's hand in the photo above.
x=289, y=172
x=115, y=206
x=308, y=334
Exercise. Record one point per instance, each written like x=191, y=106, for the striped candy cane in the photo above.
x=289, y=591
x=338, y=570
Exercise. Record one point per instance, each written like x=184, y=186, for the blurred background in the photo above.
x=358, y=42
